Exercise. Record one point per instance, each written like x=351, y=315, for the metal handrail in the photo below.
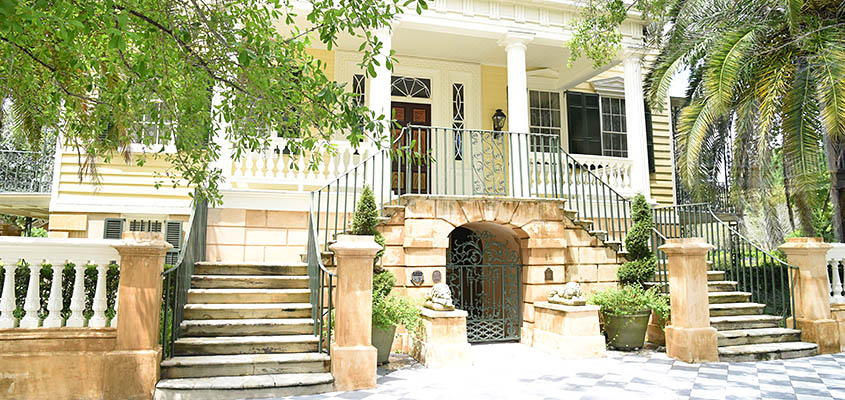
x=756, y=270
x=177, y=278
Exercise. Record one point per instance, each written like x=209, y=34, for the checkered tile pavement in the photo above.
x=514, y=371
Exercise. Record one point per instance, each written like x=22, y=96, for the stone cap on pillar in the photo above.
x=514, y=38
x=804, y=245
x=147, y=243
x=355, y=246
x=691, y=246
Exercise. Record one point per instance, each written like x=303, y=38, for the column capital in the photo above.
x=804, y=245
x=515, y=39
x=633, y=55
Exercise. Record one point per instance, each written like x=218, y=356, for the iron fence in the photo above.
x=755, y=270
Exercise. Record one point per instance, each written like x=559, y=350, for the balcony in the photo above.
x=26, y=179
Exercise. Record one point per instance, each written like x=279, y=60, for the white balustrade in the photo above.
x=614, y=171
x=39, y=253
x=293, y=172
x=835, y=259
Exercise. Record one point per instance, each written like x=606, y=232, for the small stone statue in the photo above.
x=440, y=298
x=571, y=295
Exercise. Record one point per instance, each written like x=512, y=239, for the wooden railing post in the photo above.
x=689, y=338
x=353, y=354
x=812, y=296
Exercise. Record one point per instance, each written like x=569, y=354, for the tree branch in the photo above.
x=53, y=70
x=202, y=62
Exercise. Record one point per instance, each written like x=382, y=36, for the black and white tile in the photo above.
x=514, y=371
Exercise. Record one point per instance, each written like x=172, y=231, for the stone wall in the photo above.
x=417, y=239
x=237, y=234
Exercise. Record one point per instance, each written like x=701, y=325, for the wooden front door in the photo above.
x=410, y=174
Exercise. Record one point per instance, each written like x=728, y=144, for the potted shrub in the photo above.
x=388, y=311
x=626, y=311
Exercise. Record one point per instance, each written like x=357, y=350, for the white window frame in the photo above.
x=561, y=107
x=601, y=124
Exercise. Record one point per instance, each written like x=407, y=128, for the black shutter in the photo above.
x=113, y=228
x=649, y=137
x=173, y=235
x=583, y=122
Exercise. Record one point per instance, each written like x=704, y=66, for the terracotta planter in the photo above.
x=626, y=332
x=383, y=341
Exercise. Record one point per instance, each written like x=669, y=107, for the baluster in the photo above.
x=98, y=320
x=274, y=160
x=77, y=299
x=837, y=283
x=33, y=298
x=113, y=322
x=7, y=298
x=54, y=303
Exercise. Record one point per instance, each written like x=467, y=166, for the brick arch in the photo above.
x=418, y=236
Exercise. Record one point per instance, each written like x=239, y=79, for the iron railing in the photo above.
x=321, y=281
x=26, y=171
x=177, y=278
x=756, y=270
x=456, y=162
x=464, y=162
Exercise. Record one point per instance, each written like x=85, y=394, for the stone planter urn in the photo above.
x=383, y=342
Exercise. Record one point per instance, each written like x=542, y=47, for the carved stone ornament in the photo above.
x=571, y=295
x=440, y=298
x=417, y=278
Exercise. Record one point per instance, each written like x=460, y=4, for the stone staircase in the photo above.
x=247, y=333
x=744, y=332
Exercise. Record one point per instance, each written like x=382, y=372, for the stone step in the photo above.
x=758, y=336
x=243, y=387
x=241, y=296
x=243, y=364
x=728, y=297
x=712, y=286
x=734, y=322
x=711, y=275
x=246, y=344
x=246, y=327
x=248, y=281
x=600, y=234
x=767, y=351
x=725, y=309
x=247, y=311
x=584, y=223
x=249, y=268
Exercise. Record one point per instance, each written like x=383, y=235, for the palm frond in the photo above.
x=728, y=56
x=802, y=139
x=694, y=126
x=793, y=14
x=829, y=70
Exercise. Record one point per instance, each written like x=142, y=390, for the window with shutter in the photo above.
x=113, y=228
x=649, y=136
x=173, y=233
x=583, y=122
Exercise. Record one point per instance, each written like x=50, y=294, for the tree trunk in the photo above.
x=788, y=199
x=836, y=166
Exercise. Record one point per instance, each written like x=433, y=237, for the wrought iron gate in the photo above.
x=485, y=278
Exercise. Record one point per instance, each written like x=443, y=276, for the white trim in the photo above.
x=57, y=251
x=610, y=87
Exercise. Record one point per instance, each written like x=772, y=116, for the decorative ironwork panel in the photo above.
x=26, y=171
x=485, y=278
x=489, y=172
x=402, y=86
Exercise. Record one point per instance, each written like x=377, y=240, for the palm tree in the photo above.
x=774, y=70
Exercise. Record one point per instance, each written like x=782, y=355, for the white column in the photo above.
x=635, y=116
x=224, y=161
x=515, y=46
x=378, y=96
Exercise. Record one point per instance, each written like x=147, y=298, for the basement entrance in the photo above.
x=484, y=273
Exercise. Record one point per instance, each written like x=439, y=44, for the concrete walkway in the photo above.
x=514, y=371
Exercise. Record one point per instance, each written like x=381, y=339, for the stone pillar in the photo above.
x=635, y=115
x=811, y=293
x=132, y=369
x=689, y=338
x=353, y=355
x=515, y=46
x=444, y=342
x=139, y=293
